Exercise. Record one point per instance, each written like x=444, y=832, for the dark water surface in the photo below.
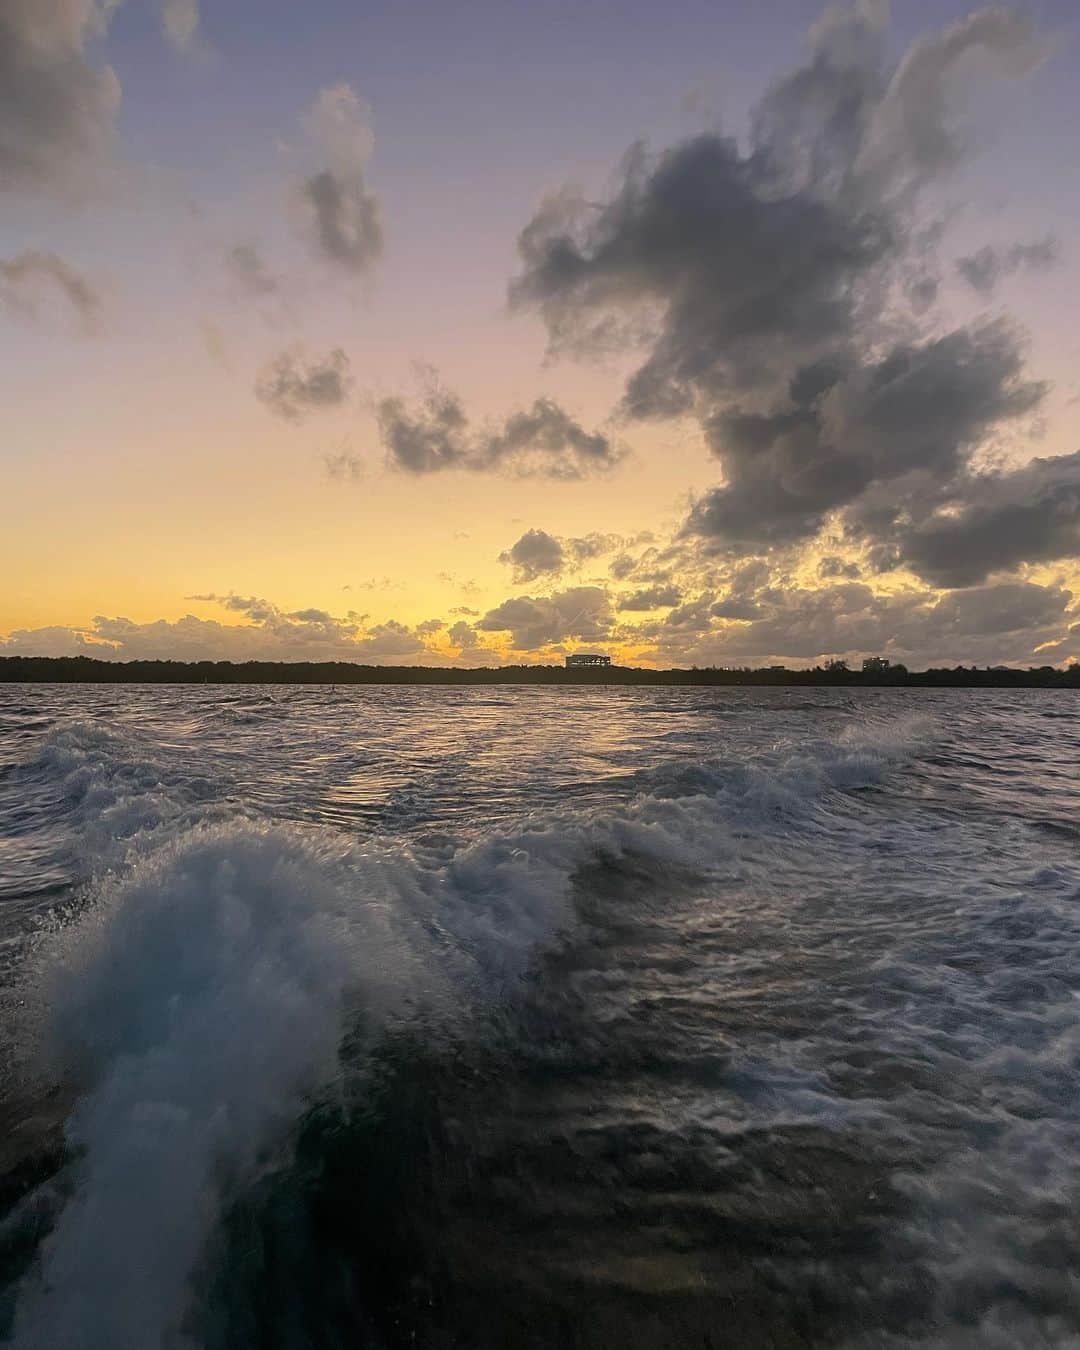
x=539, y=1018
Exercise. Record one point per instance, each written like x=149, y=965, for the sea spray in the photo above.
x=198, y=1004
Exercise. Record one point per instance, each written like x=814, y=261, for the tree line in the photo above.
x=874, y=670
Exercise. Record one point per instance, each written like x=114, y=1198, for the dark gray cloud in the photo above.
x=538, y=554
x=993, y=522
x=427, y=438
x=759, y=283
x=32, y=278
x=471, y=648
x=924, y=408
x=346, y=220
x=57, y=108
x=292, y=386
x=736, y=281
x=983, y=270
x=623, y=566
x=651, y=597
x=538, y=621
x=535, y=554
x=343, y=220
x=747, y=265
x=544, y=440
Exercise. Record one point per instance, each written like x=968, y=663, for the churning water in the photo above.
x=539, y=1018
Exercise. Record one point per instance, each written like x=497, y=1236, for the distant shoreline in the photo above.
x=87, y=670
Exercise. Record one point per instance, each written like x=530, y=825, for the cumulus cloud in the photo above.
x=993, y=522
x=538, y=554
x=844, y=427
x=535, y=554
x=543, y=440
x=470, y=646
x=291, y=385
x=33, y=278
x=983, y=270
x=267, y=633
x=1011, y=621
x=750, y=264
x=538, y=621
x=758, y=284
x=342, y=218
x=57, y=108
x=389, y=639
x=651, y=597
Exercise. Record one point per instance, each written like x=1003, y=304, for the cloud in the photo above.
x=546, y=439
x=267, y=633
x=428, y=439
x=389, y=639
x=537, y=621
x=343, y=220
x=180, y=20
x=57, y=109
x=543, y=440
x=983, y=270
x=746, y=265
x=537, y=554
x=653, y=597
x=31, y=278
x=462, y=635
x=831, y=567
x=994, y=522
x=759, y=285
x=292, y=386
x=985, y=624
x=249, y=273
x=923, y=408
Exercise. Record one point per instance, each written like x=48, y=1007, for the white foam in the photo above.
x=200, y=1003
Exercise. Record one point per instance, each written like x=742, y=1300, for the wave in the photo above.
x=199, y=997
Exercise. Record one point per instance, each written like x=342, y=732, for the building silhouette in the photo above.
x=587, y=659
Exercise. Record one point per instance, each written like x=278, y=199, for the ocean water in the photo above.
x=539, y=1018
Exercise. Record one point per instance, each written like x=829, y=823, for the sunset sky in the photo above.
x=482, y=331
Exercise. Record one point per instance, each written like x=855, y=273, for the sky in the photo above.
x=473, y=332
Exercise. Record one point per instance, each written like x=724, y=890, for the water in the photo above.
x=539, y=1018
